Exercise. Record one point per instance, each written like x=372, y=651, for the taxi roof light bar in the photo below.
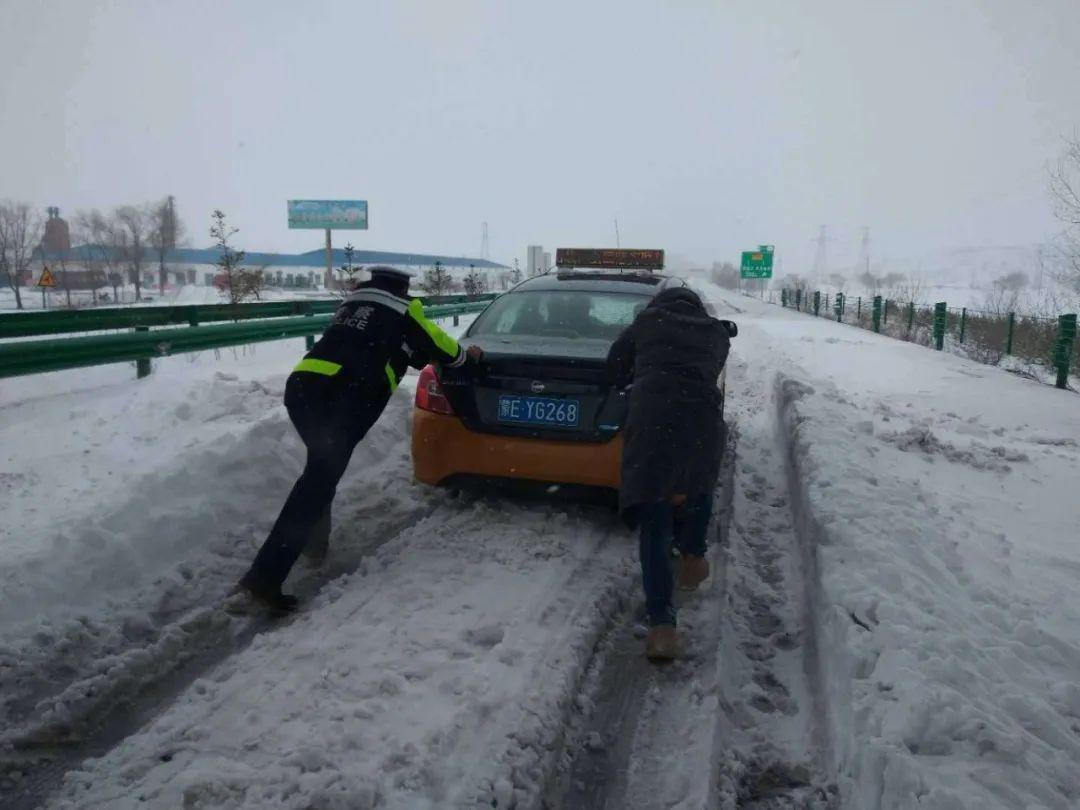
x=609, y=258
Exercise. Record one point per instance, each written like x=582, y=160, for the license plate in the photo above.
x=539, y=411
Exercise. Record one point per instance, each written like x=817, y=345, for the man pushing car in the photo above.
x=334, y=396
x=673, y=354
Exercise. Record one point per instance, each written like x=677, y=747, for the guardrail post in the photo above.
x=783, y=297
x=798, y=300
x=910, y=316
x=142, y=365
x=941, y=314
x=455, y=320
x=1012, y=329
x=817, y=302
x=1063, y=348
x=963, y=322
x=838, y=307
x=858, y=309
x=877, y=313
x=885, y=311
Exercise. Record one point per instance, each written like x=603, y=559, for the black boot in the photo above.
x=269, y=595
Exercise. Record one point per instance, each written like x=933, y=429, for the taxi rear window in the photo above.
x=551, y=313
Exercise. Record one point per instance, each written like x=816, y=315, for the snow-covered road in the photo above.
x=936, y=500
x=894, y=620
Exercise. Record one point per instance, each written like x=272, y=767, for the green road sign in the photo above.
x=757, y=263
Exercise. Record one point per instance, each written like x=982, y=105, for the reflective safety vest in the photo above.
x=375, y=336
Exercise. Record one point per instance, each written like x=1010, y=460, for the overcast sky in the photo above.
x=704, y=127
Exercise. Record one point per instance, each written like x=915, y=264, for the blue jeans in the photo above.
x=661, y=523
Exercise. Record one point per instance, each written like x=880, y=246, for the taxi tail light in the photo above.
x=429, y=394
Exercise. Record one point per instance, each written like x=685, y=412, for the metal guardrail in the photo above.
x=36, y=356
x=1050, y=342
x=36, y=324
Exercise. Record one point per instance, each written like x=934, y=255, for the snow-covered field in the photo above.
x=894, y=620
x=188, y=294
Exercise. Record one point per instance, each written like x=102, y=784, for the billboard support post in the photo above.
x=326, y=215
x=329, y=260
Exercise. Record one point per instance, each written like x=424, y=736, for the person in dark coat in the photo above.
x=334, y=396
x=672, y=354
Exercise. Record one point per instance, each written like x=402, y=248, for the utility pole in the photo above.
x=618, y=243
x=484, y=242
x=862, y=265
x=821, y=258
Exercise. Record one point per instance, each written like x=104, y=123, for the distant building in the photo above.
x=534, y=260
x=57, y=238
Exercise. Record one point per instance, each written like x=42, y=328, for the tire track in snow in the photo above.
x=459, y=699
x=771, y=740
x=625, y=746
x=36, y=762
x=739, y=722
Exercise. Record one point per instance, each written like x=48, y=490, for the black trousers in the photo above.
x=331, y=416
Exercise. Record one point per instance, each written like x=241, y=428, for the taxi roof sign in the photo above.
x=46, y=279
x=610, y=258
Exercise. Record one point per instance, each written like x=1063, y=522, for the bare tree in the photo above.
x=516, y=275
x=725, y=275
x=1065, y=190
x=891, y=283
x=99, y=239
x=20, y=234
x=166, y=231
x=912, y=287
x=62, y=256
x=436, y=281
x=838, y=281
x=871, y=283
x=237, y=283
x=132, y=227
x=1004, y=296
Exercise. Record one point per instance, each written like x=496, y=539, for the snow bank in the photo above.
x=436, y=675
x=939, y=499
x=133, y=506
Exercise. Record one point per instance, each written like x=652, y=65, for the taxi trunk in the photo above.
x=537, y=409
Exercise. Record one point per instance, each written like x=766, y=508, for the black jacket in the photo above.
x=673, y=354
x=374, y=336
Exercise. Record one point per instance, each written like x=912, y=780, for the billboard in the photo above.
x=612, y=258
x=329, y=214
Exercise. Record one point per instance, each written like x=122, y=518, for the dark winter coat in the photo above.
x=673, y=354
x=375, y=335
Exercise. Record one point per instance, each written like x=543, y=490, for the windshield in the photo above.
x=551, y=313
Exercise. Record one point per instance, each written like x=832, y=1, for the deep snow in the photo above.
x=940, y=498
x=896, y=614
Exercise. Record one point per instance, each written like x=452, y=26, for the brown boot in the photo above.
x=662, y=643
x=693, y=570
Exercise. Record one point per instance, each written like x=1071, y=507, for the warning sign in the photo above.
x=46, y=279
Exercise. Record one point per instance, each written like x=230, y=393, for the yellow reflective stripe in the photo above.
x=446, y=343
x=318, y=366
x=392, y=377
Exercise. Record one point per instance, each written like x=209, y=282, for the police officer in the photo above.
x=333, y=397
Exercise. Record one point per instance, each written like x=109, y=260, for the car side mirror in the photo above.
x=731, y=328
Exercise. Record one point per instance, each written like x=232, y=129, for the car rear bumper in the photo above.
x=443, y=447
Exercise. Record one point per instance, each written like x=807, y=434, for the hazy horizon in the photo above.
x=703, y=128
